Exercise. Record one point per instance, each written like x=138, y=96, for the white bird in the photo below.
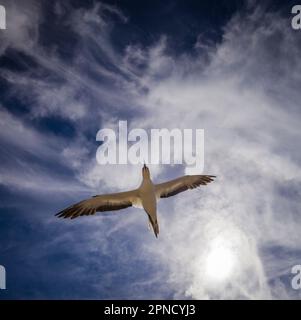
x=145, y=197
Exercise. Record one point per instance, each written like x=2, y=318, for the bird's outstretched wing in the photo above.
x=106, y=202
x=173, y=187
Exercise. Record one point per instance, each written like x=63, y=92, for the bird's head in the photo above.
x=145, y=172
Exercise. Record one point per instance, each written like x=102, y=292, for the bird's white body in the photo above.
x=147, y=195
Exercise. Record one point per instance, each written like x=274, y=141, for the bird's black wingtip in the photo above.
x=59, y=214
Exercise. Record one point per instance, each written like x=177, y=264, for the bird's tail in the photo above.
x=156, y=229
x=155, y=226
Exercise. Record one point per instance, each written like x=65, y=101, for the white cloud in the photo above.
x=250, y=143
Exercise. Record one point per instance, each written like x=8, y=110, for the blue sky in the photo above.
x=70, y=68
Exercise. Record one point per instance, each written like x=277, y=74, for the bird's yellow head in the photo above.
x=145, y=172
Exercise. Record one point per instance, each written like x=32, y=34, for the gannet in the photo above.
x=145, y=197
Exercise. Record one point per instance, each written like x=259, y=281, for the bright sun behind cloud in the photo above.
x=225, y=244
x=220, y=261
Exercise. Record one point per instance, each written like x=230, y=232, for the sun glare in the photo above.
x=220, y=261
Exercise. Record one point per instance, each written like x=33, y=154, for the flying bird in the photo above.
x=145, y=197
